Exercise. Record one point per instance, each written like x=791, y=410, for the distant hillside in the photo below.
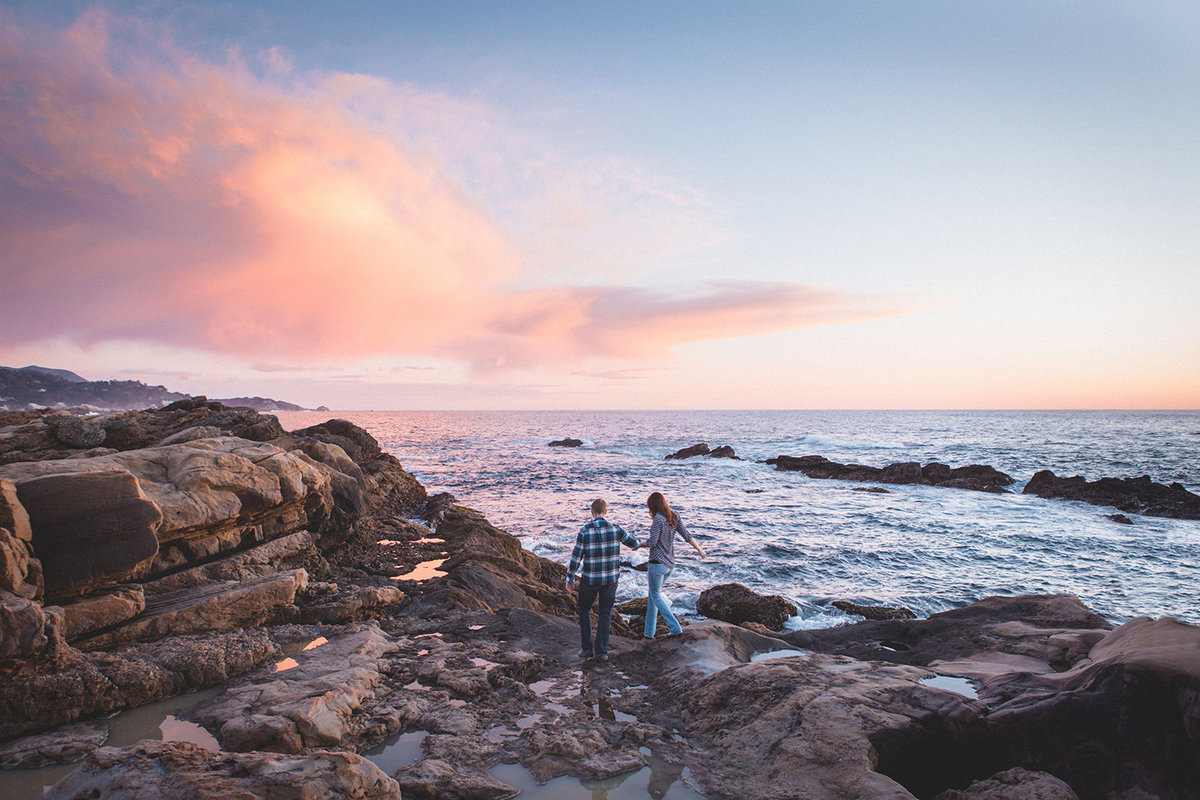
x=59, y=388
x=62, y=373
x=259, y=404
x=37, y=386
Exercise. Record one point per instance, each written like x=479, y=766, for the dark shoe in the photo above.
x=585, y=653
x=602, y=657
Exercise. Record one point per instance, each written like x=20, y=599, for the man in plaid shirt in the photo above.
x=598, y=552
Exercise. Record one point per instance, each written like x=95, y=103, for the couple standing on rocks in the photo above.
x=597, y=557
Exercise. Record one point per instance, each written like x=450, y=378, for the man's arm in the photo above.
x=576, y=557
x=628, y=539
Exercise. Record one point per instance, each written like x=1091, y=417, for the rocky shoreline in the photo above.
x=329, y=606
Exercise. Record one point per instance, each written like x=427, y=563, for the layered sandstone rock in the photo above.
x=214, y=495
x=90, y=525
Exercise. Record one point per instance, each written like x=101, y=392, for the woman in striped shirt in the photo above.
x=661, y=542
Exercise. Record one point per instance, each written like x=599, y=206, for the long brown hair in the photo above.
x=658, y=505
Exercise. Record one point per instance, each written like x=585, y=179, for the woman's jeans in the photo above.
x=656, y=603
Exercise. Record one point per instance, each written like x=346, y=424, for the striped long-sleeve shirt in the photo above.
x=661, y=540
x=598, y=551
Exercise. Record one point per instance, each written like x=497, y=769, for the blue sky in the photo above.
x=953, y=204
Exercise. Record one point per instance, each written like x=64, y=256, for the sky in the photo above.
x=618, y=205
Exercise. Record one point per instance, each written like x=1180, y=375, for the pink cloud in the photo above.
x=149, y=195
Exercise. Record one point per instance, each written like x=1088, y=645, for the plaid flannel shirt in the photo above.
x=598, y=551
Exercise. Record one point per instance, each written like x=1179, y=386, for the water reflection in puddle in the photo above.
x=660, y=781
x=949, y=683
x=484, y=663
x=152, y=721
x=290, y=663
x=423, y=571
x=397, y=751
x=776, y=654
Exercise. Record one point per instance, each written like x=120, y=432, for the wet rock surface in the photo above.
x=1132, y=495
x=567, y=443
x=733, y=602
x=184, y=771
x=977, y=477
x=377, y=612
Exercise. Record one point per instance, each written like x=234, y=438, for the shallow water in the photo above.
x=151, y=721
x=816, y=541
x=660, y=781
x=949, y=683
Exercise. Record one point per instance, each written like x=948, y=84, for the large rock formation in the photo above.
x=976, y=476
x=147, y=512
x=1134, y=495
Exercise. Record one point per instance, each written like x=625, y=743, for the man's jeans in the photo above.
x=589, y=592
x=656, y=603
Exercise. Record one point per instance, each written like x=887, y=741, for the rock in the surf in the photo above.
x=733, y=602
x=1132, y=495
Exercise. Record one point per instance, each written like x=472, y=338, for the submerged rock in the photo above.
x=733, y=602
x=700, y=449
x=874, y=612
x=567, y=443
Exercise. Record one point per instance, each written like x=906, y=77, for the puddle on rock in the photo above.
x=949, y=683
x=397, y=751
x=151, y=721
x=485, y=664
x=423, y=571
x=290, y=663
x=659, y=781
x=770, y=654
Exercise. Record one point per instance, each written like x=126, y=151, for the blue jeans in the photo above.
x=588, y=593
x=656, y=603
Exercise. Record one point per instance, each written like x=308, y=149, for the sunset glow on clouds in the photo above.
x=251, y=219
x=258, y=219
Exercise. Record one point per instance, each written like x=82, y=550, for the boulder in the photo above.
x=20, y=572
x=733, y=602
x=724, y=451
x=29, y=632
x=185, y=771
x=89, y=528
x=12, y=514
x=1132, y=495
x=1013, y=784
x=567, y=443
x=1125, y=719
x=77, y=432
x=700, y=449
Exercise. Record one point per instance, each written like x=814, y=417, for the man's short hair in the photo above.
x=599, y=506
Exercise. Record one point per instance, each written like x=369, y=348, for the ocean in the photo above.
x=817, y=541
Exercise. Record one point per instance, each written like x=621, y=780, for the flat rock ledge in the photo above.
x=184, y=771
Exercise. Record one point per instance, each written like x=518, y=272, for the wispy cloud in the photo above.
x=150, y=195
